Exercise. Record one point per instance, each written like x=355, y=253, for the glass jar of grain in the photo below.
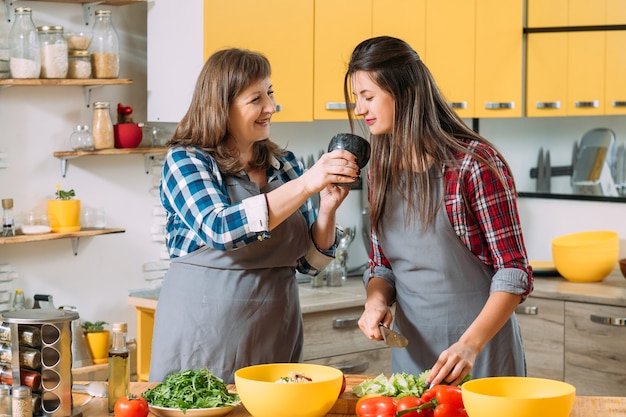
x=79, y=64
x=53, y=52
x=25, y=58
x=105, y=47
x=103, y=137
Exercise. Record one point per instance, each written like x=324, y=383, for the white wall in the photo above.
x=36, y=121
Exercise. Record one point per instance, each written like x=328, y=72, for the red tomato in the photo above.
x=131, y=406
x=376, y=406
x=449, y=410
x=448, y=394
x=409, y=402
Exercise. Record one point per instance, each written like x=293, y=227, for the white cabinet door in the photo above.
x=175, y=57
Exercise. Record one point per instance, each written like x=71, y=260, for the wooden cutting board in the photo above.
x=344, y=407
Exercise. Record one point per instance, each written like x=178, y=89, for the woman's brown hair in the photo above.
x=205, y=125
x=426, y=131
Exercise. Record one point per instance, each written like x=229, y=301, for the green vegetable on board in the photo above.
x=397, y=385
x=191, y=389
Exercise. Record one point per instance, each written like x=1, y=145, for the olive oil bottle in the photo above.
x=119, y=365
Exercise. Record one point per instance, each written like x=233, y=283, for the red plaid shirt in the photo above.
x=494, y=235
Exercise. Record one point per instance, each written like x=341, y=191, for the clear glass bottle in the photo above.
x=102, y=133
x=81, y=139
x=24, y=50
x=21, y=404
x=119, y=365
x=105, y=47
x=5, y=400
x=8, y=221
x=19, y=301
x=53, y=52
x=79, y=64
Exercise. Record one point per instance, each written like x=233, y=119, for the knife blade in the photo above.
x=391, y=338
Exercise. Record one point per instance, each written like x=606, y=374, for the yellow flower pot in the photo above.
x=64, y=215
x=98, y=343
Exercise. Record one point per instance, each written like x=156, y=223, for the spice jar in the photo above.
x=53, y=52
x=103, y=137
x=25, y=59
x=79, y=64
x=22, y=405
x=28, y=335
x=28, y=378
x=105, y=47
x=5, y=400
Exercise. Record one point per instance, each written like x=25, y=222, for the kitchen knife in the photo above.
x=391, y=338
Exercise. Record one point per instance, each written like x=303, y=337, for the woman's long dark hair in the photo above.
x=223, y=77
x=426, y=131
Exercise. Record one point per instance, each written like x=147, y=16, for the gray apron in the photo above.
x=224, y=310
x=441, y=287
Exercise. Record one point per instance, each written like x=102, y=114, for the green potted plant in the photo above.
x=64, y=212
x=97, y=340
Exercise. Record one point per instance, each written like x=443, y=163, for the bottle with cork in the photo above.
x=119, y=365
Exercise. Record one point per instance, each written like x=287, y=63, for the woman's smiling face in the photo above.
x=376, y=106
x=250, y=113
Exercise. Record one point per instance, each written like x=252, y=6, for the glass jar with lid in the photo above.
x=105, y=47
x=103, y=136
x=53, y=52
x=24, y=55
x=81, y=139
x=79, y=64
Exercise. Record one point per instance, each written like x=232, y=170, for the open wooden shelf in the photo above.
x=74, y=236
x=88, y=82
x=148, y=153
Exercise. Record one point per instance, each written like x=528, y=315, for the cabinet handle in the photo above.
x=500, y=105
x=458, y=104
x=619, y=103
x=527, y=310
x=335, y=106
x=548, y=105
x=352, y=368
x=587, y=104
x=611, y=321
x=341, y=323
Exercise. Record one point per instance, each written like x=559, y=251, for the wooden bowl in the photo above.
x=622, y=266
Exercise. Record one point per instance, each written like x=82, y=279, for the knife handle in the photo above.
x=554, y=171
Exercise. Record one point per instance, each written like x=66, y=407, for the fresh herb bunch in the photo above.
x=64, y=195
x=89, y=327
x=191, y=389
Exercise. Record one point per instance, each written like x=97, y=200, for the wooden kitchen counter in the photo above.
x=583, y=406
x=609, y=291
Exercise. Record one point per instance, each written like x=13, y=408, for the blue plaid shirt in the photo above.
x=199, y=211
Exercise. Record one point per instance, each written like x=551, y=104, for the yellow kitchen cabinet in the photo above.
x=546, y=67
x=546, y=13
x=585, y=73
x=339, y=27
x=404, y=19
x=283, y=31
x=499, y=54
x=450, y=46
x=558, y=13
x=615, y=79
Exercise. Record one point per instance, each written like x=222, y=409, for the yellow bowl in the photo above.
x=264, y=397
x=517, y=397
x=586, y=256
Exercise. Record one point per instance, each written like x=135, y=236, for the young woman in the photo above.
x=447, y=246
x=239, y=224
